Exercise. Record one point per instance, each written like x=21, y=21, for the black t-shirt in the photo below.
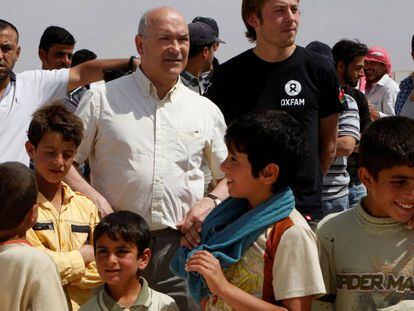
x=364, y=121
x=304, y=85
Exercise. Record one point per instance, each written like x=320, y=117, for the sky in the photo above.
x=108, y=27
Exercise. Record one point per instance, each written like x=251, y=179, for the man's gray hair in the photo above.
x=143, y=23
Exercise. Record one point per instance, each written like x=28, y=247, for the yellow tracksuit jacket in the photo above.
x=61, y=235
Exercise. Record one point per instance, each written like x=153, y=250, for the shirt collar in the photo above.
x=383, y=80
x=148, y=88
x=143, y=299
x=68, y=194
x=189, y=79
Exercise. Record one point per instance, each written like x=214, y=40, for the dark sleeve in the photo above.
x=329, y=102
x=362, y=102
x=364, y=115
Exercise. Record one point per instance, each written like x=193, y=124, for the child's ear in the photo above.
x=30, y=149
x=270, y=174
x=31, y=217
x=144, y=259
x=365, y=177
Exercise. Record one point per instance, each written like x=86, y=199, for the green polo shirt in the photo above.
x=147, y=300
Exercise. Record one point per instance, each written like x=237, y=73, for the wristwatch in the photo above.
x=215, y=199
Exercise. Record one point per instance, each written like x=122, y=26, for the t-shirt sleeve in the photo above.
x=52, y=84
x=349, y=120
x=329, y=102
x=88, y=111
x=296, y=269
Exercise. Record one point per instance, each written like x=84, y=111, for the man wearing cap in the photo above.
x=404, y=105
x=206, y=75
x=380, y=89
x=200, y=57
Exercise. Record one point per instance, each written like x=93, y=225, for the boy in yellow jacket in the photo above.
x=66, y=218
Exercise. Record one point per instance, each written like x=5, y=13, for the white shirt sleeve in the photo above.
x=296, y=269
x=88, y=112
x=216, y=150
x=51, y=84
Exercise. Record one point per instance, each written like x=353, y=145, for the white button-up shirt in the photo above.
x=145, y=153
x=30, y=90
x=383, y=95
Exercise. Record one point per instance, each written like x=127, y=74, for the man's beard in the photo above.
x=349, y=81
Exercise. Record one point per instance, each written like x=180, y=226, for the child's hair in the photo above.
x=55, y=118
x=268, y=136
x=386, y=143
x=124, y=225
x=18, y=194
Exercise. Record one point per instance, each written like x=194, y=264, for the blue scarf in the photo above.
x=227, y=233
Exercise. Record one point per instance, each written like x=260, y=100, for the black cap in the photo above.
x=211, y=22
x=321, y=49
x=201, y=34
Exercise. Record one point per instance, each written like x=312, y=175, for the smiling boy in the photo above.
x=66, y=218
x=367, y=253
x=121, y=248
x=254, y=245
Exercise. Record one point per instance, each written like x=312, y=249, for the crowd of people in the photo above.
x=281, y=179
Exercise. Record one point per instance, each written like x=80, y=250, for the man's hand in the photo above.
x=197, y=214
x=373, y=112
x=87, y=253
x=209, y=267
x=102, y=204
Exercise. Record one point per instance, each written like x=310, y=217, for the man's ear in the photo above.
x=138, y=43
x=18, y=53
x=340, y=67
x=270, y=174
x=253, y=20
x=42, y=55
x=365, y=177
x=30, y=149
x=205, y=52
x=144, y=259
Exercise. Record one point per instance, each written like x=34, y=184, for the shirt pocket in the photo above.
x=81, y=234
x=189, y=150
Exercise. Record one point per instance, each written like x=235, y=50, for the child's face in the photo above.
x=118, y=261
x=240, y=181
x=52, y=157
x=392, y=193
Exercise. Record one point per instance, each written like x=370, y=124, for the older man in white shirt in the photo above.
x=381, y=90
x=146, y=137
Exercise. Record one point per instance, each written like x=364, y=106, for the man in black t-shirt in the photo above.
x=277, y=74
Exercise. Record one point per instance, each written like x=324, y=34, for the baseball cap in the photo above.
x=211, y=22
x=380, y=55
x=322, y=49
x=201, y=34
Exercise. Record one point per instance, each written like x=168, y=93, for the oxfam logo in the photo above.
x=293, y=88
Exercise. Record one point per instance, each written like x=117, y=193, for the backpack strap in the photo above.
x=269, y=257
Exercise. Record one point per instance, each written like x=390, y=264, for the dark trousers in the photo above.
x=164, y=244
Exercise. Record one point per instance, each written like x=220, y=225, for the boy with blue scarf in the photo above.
x=256, y=251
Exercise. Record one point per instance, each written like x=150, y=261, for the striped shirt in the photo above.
x=336, y=180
